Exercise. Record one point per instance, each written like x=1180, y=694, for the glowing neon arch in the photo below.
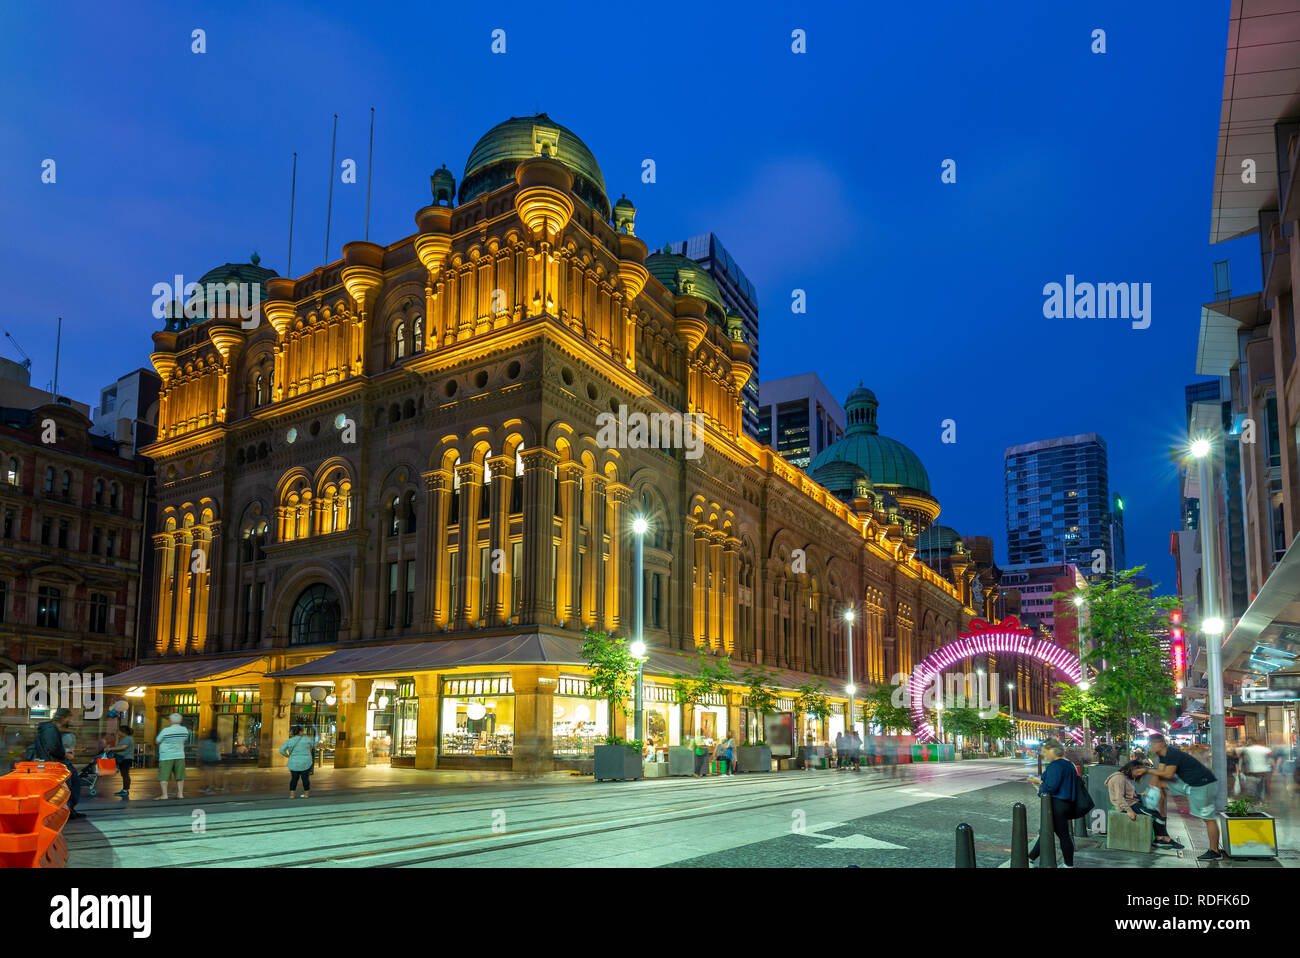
x=1006, y=637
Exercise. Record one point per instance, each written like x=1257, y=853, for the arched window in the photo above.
x=419, y=335
x=315, y=617
x=394, y=516
x=99, y=492
x=410, y=512
x=295, y=511
x=49, y=479
x=67, y=483
x=335, y=501
x=112, y=496
x=259, y=391
x=399, y=342
x=517, y=487
x=15, y=474
x=453, y=512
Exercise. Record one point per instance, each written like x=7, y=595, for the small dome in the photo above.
x=624, y=215
x=222, y=290
x=937, y=541
x=682, y=276
x=844, y=480
x=492, y=162
x=443, y=185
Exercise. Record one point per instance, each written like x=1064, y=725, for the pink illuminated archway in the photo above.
x=1005, y=637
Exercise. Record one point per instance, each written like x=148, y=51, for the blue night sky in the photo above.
x=818, y=171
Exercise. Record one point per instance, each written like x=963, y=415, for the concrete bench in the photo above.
x=1128, y=836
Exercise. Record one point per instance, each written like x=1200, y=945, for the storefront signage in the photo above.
x=1255, y=693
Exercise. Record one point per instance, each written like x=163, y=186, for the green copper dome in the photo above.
x=682, y=276
x=491, y=164
x=937, y=541
x=887, y=461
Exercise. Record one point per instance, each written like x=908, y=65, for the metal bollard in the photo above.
x=1046, y=834
x=1019, y=837
x=965, y=846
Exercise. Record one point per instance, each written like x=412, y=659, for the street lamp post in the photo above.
x=1212, y=623
x=1011, y=710
x=850, y=688
x=639, y=526
x=1083, y=687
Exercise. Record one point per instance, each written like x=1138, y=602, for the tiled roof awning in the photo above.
x=192, y=668
x=487, y=651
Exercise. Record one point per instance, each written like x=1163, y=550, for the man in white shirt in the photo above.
x=1256, y=764
x=171, y=743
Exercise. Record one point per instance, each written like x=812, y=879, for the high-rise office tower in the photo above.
x=738, y=293
x=799, y=418
x=1058, y=504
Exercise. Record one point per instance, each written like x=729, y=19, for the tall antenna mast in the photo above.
x=293, y=189
x=370, y=165
x=330, y=208
x=58, y=342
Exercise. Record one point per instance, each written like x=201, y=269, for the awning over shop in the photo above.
x=191, y=668
x=485, y=651
x=1272, y=620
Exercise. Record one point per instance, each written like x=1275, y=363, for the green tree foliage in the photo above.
x=1072, y=703
x=707, y=678
x=1000, y=726
x=613, y=668
x=1118, y=624
x=878, y=706
x=812, y=700
x=963, y=721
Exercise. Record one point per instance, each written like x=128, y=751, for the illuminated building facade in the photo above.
x=384, y=511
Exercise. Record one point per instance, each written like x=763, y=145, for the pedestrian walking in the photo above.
x=841, y=747
x=725, y=753
x=49, y=747
x=301, y=751
x=1185, y=776
x=171, y=742
x=1257, y=767
x=855, y=750
x=1119, y=784
x=211, y=767
x=1061, y=781
x=124, y=751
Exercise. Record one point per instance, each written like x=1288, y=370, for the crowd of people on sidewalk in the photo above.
x=116, y=752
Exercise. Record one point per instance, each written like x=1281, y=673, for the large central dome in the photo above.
x=491, y=164
x=886, y=461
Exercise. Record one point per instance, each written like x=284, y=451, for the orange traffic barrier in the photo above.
x=33, y=810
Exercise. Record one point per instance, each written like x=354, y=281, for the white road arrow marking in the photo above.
x=856, y=841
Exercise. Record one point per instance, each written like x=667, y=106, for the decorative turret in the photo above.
x=362, y=270
x=279, y=304
x=443, y=185
x=543, y=201
x=624, y=216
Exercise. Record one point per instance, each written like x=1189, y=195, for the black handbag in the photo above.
x=1083, y=802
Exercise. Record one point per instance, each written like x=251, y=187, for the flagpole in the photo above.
x=330, y=208
x=370, y=165
x=293, y=189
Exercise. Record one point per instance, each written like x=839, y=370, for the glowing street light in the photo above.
x=1200, y=448
x=850, y=688
x=637, y=648
x=1212, y=626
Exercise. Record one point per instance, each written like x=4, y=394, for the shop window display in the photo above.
x=662, y=716
x=186, y=702
x=478, y=717
x=318, y=718
x=580, y=721
x=239, y=722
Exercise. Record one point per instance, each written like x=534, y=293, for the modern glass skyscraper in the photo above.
x=739, y=294
x=1058, y=503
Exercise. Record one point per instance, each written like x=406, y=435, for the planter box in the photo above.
x=681, y=760
x=617, y=762
x=753, y=758
x=654, y=770
x=1248, y=836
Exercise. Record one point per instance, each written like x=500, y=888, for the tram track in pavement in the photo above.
x=651, y=816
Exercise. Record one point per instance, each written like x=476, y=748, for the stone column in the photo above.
x=185, y=593
x=351, y=749
x=277, y=697
x=471, y=487
x=569, y=599
x=207, y=693
x=426, y=720
x=715, y=589
x=731, y=574
x=433, y=550
x=534, y=714
x=597, y=517
x=499, y=598
x=618, y=587
x=163, y=557
x=699, y=594
x=539, y=525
